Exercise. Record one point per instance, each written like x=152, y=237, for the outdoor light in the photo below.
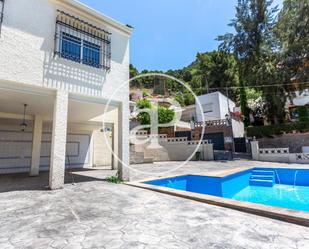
x=24, y=125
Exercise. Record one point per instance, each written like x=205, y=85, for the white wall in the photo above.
x=27, y=46
x=238, y=128
x=15, y=147
x=219, y=106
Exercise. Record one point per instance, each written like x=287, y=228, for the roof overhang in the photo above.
x=96, y=15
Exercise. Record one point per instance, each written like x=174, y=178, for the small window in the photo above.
x=70, y=47
x=207, y=108
x=91, y=54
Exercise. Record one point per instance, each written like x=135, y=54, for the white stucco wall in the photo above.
x=219, y=104
x=27, y=46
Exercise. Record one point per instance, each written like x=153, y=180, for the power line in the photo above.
x=261, y=86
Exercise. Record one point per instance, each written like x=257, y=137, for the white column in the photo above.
x=36, y=146
x=59, y=136
x=255, y=150
x=123, y=142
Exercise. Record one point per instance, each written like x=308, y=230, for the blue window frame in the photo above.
x=82, y=42
x=91, y=54
x=70, y=47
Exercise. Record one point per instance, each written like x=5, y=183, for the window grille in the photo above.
x=1, y=13
x=82, y=42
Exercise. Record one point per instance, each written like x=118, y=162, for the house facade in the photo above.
x=61, y=66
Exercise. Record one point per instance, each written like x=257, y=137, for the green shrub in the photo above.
x=303, y=114
x=272, y=130
x=114, y=179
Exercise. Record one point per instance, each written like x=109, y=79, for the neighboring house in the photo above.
x=300, y=99
x=215, y=106
x=63, y=60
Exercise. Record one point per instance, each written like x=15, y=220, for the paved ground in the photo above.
x=97, y=214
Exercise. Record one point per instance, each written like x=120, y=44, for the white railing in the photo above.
x=302, y=156
x=274, y=151
x=220, y=122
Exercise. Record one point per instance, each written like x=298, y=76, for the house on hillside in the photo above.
x=60, y=66
x=300, y=99
x=222, y=117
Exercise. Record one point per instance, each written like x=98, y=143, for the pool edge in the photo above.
x=277, y=213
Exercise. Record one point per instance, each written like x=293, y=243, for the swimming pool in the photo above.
x=286, y=188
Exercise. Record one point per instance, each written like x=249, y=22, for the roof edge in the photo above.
x=98, y=15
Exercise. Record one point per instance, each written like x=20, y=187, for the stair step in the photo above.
x=262, y=177
x=265, y=183
x=263, y=172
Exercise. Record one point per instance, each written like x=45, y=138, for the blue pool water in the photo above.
x=290, y=187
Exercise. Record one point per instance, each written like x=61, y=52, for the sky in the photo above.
x=169, y=33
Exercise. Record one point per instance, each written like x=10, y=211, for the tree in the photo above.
x=252, y=43
x=165, y=115
x=292, y=30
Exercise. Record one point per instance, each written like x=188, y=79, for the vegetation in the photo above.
x=165, y=115
x=303, y=114
x=114, y=179
x=266, y=57
x=279, y=129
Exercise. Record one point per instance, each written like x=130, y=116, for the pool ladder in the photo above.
x=262, y=177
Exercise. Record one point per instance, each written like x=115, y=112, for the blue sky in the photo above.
x=169, y=33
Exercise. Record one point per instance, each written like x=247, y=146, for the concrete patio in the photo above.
x=97, y=214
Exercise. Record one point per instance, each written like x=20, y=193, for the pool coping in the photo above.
x=283, y=214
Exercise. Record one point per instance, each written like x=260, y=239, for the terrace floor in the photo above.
x=97, y=214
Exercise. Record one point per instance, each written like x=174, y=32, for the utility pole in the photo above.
x=207, y=85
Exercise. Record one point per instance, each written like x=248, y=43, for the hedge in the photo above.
x=273, y=130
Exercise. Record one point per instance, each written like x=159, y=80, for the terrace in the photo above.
x=96, y=214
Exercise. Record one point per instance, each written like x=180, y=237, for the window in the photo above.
x=207, y=108
x=1, y=13
x=81, y=42
x=70, y=47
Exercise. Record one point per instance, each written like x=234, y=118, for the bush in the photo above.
x=272, y=130
x=303, y=114
x=114, y=179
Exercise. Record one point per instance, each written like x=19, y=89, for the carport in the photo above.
x=61, y=131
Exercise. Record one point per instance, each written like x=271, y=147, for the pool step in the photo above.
x=263, y=172
x=264, y=178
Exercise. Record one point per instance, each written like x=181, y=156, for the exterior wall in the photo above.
x=219, y=103
x=189, y=114
x=27, y=45
x=294, y=142
x=101, y=152
x=281, y=155
x=176, y=149
x=238, y=128
x=15, y=147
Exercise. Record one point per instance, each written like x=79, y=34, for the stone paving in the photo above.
x=97, y=214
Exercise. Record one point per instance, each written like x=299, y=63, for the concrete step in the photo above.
x=263, y=183
x=262, y=177
x=263, y=172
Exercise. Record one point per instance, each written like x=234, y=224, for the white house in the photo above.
x=61, y=62
x=216, y=106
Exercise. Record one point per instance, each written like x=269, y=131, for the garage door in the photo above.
x=217, y=139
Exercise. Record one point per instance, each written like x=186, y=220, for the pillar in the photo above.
x=255, y=150
x=123, y=142
x=58, y=145
x=36, y=146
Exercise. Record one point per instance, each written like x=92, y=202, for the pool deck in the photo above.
x=97, y=214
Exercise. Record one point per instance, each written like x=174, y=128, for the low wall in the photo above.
x=281, y=155
x=295, y=142
x=176, y=149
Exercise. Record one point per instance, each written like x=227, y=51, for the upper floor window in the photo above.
x=207, y=108
x=1, y=13
x=82, y=42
